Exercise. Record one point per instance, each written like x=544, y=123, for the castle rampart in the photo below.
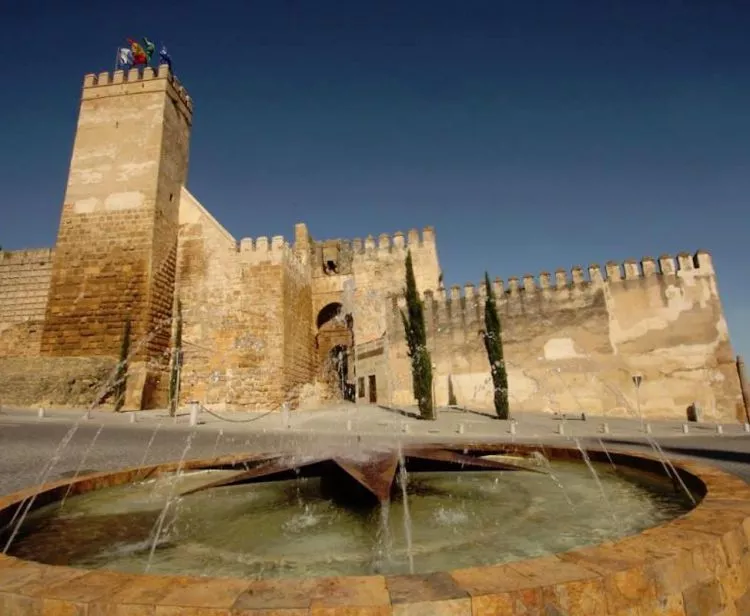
x=137, y=81
x=572, y=343
x=266, y=322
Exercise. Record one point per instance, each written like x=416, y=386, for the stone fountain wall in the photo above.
x=572, y=345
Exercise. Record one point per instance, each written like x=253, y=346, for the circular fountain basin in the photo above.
x=473, y=539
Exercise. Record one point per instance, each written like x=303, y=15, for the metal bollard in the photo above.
x=685, y=429
x=40, y=413
x=561, y=428
x=405, y=428
x=719, y=429
x=648, y=428
x=747, y=427
x=605, y=428
x=512, y=428
x=460, y=428
x=87, y=415
x=133, y=418
x=348, y=425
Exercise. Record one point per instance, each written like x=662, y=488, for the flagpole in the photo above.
x=117, y=58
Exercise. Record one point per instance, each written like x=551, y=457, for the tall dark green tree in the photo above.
x=174, y=376
x=416, y=340
x=493, y=343
x=121, y=376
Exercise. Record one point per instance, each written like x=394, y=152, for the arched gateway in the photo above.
x=334, y=342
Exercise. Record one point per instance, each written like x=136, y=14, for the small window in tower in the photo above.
x=171, y=197
x=330, y=267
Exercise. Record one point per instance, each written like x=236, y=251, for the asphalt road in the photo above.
x=26, y=447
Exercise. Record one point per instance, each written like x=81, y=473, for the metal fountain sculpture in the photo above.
x=372, y=471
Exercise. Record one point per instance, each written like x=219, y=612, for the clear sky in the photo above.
x=533, y=134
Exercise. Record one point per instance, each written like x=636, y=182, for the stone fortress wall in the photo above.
x=263, y=319
x=573, y=344
x=251, y=307
x=24, y=286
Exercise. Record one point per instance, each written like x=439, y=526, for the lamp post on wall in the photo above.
x=637, y=380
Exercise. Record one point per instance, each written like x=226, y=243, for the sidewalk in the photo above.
x=369, y=420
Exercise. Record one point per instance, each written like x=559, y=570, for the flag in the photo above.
x=124, y=58
x=149, y=48
x=139, y=54
x=164, y=57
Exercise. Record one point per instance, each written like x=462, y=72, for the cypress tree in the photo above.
x=174, y=377
x=493, y=343
x=121, y=376
x=416, y=340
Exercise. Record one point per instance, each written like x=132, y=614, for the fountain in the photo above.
x=473, y=528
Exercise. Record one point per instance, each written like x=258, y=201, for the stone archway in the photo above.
x=335, y=341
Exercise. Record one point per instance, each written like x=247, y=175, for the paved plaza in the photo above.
x=102, y=440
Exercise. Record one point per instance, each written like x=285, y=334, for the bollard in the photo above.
x=460, y=428
x=348, y=425
x=404, y=428
x=685, y=429
x=605, y=428
x=747, y=427
x=87, y=415
x=132, y=417
x=512, y=428
x=719, y=429
x=561, y=428
x=40, y=413
x=648, y=428
x=583, y=416
x=194, y=409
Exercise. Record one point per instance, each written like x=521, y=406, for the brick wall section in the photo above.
x=24, y=286
x=574, y=347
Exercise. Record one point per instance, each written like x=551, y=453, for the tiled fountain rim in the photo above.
x=701, y=556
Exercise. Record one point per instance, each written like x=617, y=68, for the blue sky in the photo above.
x=532, y=134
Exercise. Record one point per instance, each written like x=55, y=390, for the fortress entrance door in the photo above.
x=335, y=340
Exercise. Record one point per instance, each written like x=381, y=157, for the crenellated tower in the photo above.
x=117, y=240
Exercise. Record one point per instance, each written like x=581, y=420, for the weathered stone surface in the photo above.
x=265, y=321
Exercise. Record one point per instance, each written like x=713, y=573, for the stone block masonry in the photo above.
x=24, y=286
x=574, y=345
x=265, y=323
x=116, y=248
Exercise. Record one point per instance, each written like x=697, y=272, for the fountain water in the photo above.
x=403, y=481
x=84, y=457
x=169, y=500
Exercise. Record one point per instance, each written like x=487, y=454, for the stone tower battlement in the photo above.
x=135, y=81
x=466, y=303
